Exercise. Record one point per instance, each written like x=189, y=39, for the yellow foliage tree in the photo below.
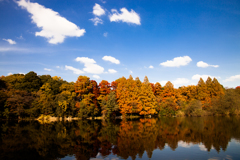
x=147, y=100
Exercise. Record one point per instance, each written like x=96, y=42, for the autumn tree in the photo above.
x=202, y=92
x=217, y=89
x=18, y=102
x=14, y=81
x=46, y=99
x=114, y=85
x=44, y=78
x=171, y=98
x=127, y=94
x=188, y=92
x=95, y=91
x=104, y=90
x=147, y=100
x=66, y=100
x=84, y=104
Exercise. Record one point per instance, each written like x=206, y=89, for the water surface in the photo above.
x=210, y=138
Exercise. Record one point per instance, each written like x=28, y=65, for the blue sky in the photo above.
x=166, y=40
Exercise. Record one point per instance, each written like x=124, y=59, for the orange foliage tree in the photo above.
x=146, y=98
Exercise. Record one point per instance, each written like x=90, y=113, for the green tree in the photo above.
x=110, y=105
x=66, y=100
x=31, y=82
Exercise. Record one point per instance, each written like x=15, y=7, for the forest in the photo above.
x=31, y=96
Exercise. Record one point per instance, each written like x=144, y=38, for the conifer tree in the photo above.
x=202, y=92
x=217, y=89
x=209, y=92
x=147, y=100
x=127, y=94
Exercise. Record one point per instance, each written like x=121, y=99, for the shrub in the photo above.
x=194, y=108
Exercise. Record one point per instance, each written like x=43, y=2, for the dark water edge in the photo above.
x=156, y=138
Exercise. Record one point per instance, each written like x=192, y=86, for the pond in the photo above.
x=212, y=138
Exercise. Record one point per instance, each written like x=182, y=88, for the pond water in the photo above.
x=212, y=138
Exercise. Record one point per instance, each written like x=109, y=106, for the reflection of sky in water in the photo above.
x=186, y=151
x=188, y=145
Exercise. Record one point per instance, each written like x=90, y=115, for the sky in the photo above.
x=165, y=40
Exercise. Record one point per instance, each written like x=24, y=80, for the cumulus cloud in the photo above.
x=96, y=76
x=232, y=78
x=177, y=62
x=46, y=69
x=202, y=147
x=204, y=77
x=163, y=83
x=105, y=34
x=75, y=70
x=205, y=65
x=90, y=65
x=98, y=10
x=151, y=67
x=112, y=71
x=9, y=74
x=125, y=16
x=111, y=59
x=96, y=20
x=179, y=81
x=130, y=72
x=54, y=27
x=184, y=144
x=10, y=41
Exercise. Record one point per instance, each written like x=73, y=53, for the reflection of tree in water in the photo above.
x=85, y=139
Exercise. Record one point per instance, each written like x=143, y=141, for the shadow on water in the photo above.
x=124, y=139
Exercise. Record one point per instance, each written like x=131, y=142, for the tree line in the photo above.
x=32, y=95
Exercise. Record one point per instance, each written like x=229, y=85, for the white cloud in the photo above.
x=9, y=74
x=20, y=37
x=105, y=34
x=232, y=78
x=202, y=147
x=98, y=10
x=184, y=144
x=151, y=67
x=54, y=27
x=75, y=70
x=204, y=65
x=103, y=1
x=125, y=16
x=3, y=49
x=111, y=59
x=57, y=66
x=46, y=69
x=10, y=41
x=96, y=76
x=112, y=71
x=163, y=83
x=130, y=72
x=180, y=81
x=96, y=20
x=177, y=62
x=90, y=65
x=204, y=77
